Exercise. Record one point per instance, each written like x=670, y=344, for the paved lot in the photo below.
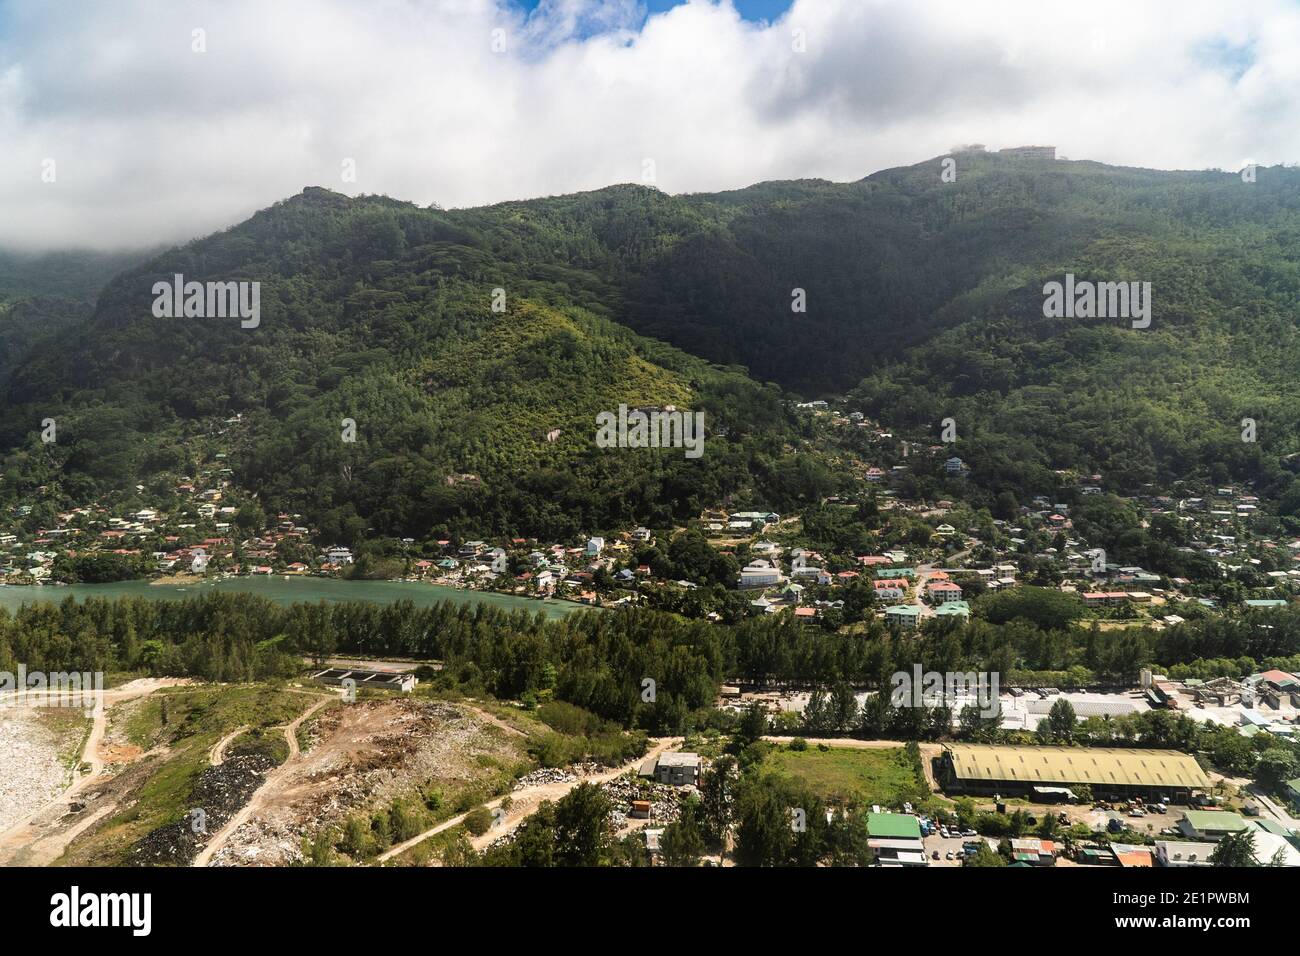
x=935, y=842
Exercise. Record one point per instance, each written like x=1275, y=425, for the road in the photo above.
x=524, y=802
x=247, y=810
x=1271, y=810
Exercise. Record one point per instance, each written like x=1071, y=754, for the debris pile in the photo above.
x=31, y=773
x=365, y=755
x=218, y=795
x=665, y=800
x=547, y=775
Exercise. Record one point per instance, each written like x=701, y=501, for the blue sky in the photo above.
x=755, y=10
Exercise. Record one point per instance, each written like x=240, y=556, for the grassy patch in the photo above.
x=843, y=776
x=70, y=727
x=260, y=740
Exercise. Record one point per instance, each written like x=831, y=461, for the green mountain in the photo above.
x=42, y=294
x=924, y=302
x=379, y=312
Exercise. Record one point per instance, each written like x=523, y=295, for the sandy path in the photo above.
x=218, y=754
x=267, y=787
x=525, y=802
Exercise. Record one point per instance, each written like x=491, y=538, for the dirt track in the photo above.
x=272, y=778
x=525, y=802
x=218, y=753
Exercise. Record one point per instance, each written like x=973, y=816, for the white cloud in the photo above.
x=154, y=142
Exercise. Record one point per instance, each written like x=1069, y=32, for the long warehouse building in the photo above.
x=1110, y=772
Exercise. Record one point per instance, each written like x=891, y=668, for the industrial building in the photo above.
x=356, y=679
x=1109, y=772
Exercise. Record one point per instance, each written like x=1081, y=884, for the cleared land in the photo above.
x=52, y=819
x=364, y=757
x=140, y=811
x=848, y=775
x=39, y=750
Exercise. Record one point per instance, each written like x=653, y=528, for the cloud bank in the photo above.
x=143, y=121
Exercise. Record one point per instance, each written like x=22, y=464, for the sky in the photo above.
x=140, y=122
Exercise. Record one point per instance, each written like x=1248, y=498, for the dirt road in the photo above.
x=525, y=802
x=218, y=754
x=255, y=804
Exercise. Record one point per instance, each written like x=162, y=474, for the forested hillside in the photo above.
x=42, y=294
x=924, y=301
x=376, y=311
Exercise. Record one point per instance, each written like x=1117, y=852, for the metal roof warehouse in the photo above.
x=1122, y=772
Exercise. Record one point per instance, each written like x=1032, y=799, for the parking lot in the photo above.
x=944, y=846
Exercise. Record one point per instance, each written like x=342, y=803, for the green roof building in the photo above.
x=893, y=826
x=1210, y=824
x=953, y=609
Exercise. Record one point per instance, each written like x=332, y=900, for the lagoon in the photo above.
x=288, y=591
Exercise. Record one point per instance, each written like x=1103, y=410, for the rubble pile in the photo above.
x=665, y=800
x=219, y=793
x=547, y=775
x=366, y=755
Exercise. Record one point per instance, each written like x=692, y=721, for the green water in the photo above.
x=289, y=591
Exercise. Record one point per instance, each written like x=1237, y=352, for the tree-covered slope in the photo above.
x=924, y=298
x=379, y=312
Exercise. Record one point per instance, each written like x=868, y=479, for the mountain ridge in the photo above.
x=923, y=303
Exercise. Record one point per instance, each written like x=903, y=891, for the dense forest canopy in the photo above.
x=924, y=301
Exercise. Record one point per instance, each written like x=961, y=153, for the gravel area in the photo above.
x=31, y=772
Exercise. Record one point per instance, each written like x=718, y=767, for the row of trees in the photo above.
x=636, y=667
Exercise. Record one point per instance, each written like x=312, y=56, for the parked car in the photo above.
x=935, y=855
x=949, y=855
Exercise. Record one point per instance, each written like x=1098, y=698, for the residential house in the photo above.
x=905, y=616
x=939, y=592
